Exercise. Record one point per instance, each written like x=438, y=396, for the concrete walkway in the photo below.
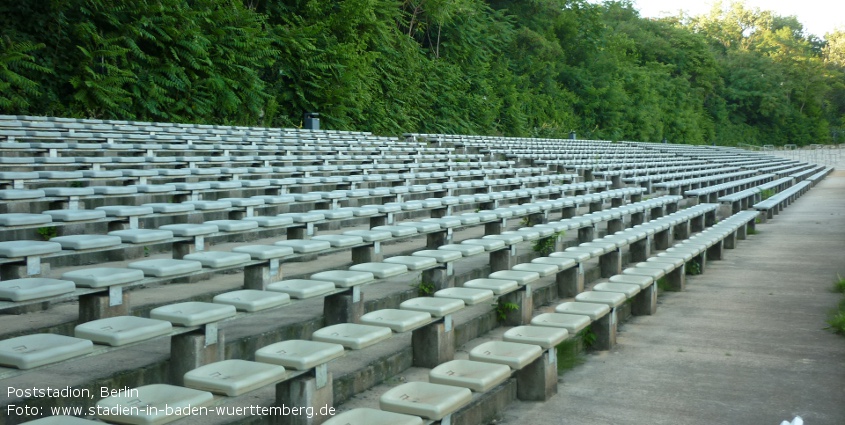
x=745, y=344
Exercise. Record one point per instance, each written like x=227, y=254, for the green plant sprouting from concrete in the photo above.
x=837, y=316
x=545, y=246
x=766, y=194
x=47, y=232
x=568, y=355
x=588, y=337
x=503, y=308
x=424, y=289
x=663, y=285
x=693, y=268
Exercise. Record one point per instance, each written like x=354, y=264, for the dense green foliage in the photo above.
x=528, y=68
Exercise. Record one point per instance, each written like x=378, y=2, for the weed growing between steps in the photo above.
x=545, y=246
x=47, y=232
x=837, y=317
x=693, y=268
x=424, y=289
x=663, y=285
x=570, y=353
x=766, y=194
x=503, y=308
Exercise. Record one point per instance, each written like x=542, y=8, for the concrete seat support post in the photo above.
x=645, y=302
x=568, y=212
x=605, y=330
x=191, y=350
x=500, y=260
x=637, y=197
x=637, y=218
x=493, y=228
x=536, y=218
x=433, y=344
x=715, y=252
x=586, y=234
x=524, y=299
x=676, y=279
x=570, y=282
x=538, y=380
x=614, y=225
x=682, y=230
x=616, y=181
x=640, y=250
x=610, y=264
x=380, y=220
x=656, y=212
x=302, y=233
x=436, y=239
x=101, y=305
x=258, y=276
x=662, y=240
x=439, y=277
x=183, y=248
x=730, y=240
x=33, y=267
x=710, y=218
x=367, y=254
x=440, y=212
x=697, y=224
x=344, y=307
x=596, y=206
x=313, y=389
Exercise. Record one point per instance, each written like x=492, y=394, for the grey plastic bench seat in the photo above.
x=397, y=231
x=360, y=211
x=217, y=259
x=469, y=296
x=188, y=230
x=337, y=214
x=192, y=186
x=166, y=267
x=397, y=320
x=520, y=277
x=542, y=269
x=209, y=205
x=643, y=281
x=509, y=239
x=75, y=215
x=264, y=252
x=156, y=396
x=527, y=235
x=303, y=217
x=573, y=323
x=592, y=251
x=251, y=300
x=167, y=208
x=142, y=236
x=560, y=263
x=473, y=375
x=155, y=188
x=68, y=191
x=233, y=377
x=18, y=194
x=344, y=278
x=654, y=273
x=610, y=299
x=466, y=250
x=122, y=330
x=275, y=199
x=299, y=354
x=78, y=242
x=592, y=310
x=437, y=307
x=12, y=249
x=98, y=277
x=22, y=219
x=125, y=211
x=579, y=257
x=438, y=255
x=545, y=337
x=30, y=351
x=380, y=270
x=60, y=175
x=192, y=313
x=233, y=225
x=431, y=401
x=367, y=416
x=422, y=227
x=226, y=185
x=488, y=244
x=301, y=246
x=370, y=235
x=352, y=335
x=511, y=354
x=269, y=221
x=625, y=288
x=302, y=288
x=30, y=288
x=411, y=262
x=445, y=222
x=498, y=286
x=339, y=241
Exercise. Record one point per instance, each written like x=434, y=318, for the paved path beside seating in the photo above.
x=744, y=344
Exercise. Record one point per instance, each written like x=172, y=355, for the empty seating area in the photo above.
x=222, y=267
